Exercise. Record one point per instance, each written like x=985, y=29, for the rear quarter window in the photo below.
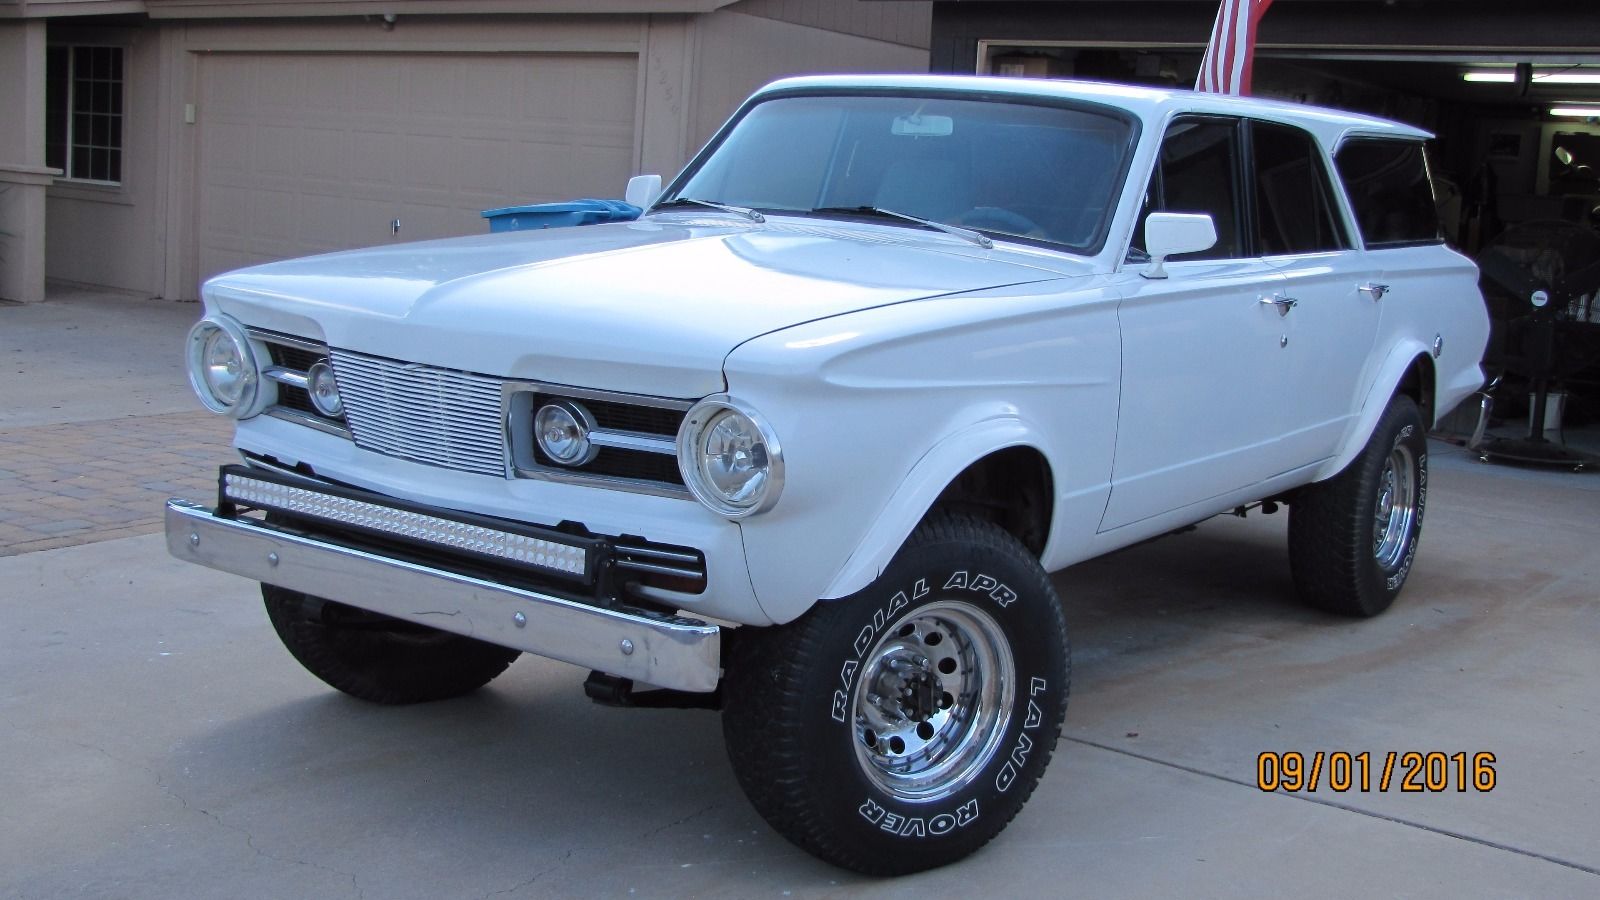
x=1294, y=200
x=1387, y=181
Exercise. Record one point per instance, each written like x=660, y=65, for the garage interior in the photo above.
x=1514, y=97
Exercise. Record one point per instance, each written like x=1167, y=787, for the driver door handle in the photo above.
x=1376, y=290
x=1283, y=302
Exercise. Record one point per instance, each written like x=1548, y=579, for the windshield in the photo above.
x=1043, y=173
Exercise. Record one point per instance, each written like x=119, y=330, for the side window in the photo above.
x=1198, y=172
x=1387, y=181
x=1294, y=199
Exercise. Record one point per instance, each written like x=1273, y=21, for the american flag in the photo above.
x=1226, y=68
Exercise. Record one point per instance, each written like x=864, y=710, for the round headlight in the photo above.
x=730, y=458
x=222, y=367
x=324, y=390
x=562, y=429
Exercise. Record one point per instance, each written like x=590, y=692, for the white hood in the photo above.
x=650, y=307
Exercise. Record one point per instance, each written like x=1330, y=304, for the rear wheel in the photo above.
x=379, y=658
x=903, y=727
x=1352, y=538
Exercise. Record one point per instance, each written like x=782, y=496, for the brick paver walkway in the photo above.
x=62, y=485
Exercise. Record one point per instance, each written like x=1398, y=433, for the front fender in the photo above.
x=1394, y=367
x=916, y=494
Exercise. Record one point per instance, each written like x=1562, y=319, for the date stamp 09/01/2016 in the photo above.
x=1409, y=771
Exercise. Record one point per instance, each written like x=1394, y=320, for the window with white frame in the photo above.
x=83, y=104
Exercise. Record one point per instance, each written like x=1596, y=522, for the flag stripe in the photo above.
x=1229, y=58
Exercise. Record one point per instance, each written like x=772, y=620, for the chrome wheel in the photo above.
x=931, y=701
x=1396, y=510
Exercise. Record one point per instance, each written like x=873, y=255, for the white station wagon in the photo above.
x=803, y=442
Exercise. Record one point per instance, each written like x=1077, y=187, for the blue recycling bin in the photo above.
x=560, y=215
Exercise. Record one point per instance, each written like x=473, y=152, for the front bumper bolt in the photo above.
x=627, y=647
x=520, y=620
x=194, y=538
x=272, y=559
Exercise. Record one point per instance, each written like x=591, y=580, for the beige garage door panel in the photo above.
x=306, y=153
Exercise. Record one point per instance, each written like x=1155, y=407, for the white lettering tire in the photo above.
x=903, y=727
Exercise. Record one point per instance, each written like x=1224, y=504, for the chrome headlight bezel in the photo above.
x=697, y=425
x=250, y=396
x=329, y=404
x=583, y=423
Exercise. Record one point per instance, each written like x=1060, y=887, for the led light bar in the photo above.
x=1576, y=112
x=520, y=548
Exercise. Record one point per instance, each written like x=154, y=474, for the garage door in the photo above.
x=304, y=153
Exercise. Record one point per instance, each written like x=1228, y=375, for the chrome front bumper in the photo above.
x=662, y=652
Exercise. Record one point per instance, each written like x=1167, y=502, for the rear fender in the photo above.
x=1390, y=374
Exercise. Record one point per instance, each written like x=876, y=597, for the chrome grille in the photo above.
x=442, y=417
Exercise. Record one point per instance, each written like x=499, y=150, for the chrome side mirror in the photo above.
x=1167, y=234
x=643, y=190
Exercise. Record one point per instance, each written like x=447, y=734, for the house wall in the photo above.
x=23, y=177
x=113, y=236
x=893, y=22
x=739, y=52
x=410, y=35
x=693, y=71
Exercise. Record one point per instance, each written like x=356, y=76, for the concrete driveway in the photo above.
x=156, y=741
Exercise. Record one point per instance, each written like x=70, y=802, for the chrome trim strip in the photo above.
x=692, y=559
x=287, y=376
x=634, y=440
x=304, y=418
x=636, y=565
x=256, y=461
x=680, y=654
x=635, y=485
x=578, y=393
x=287, y=340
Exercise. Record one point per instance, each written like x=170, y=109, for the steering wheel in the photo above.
x=993, y=218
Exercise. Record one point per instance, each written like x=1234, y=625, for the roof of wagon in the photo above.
x=1151, y=104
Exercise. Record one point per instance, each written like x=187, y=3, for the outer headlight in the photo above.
x=730, y=458
x=222, y=367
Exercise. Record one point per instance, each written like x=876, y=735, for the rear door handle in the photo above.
x=1282, y=302
x=1376, y=290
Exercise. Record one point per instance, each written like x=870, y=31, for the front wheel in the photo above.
x=1352, y=538
x=901, y=728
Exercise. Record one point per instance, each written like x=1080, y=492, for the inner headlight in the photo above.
x=324, y=390
x=730, y=458
x=222, y=367
x=562, y=430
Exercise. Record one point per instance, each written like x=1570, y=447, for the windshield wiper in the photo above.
x=963, y=233
x=748, y=213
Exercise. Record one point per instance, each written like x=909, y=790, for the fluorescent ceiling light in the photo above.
x=1506, y=76
x=1576, y=112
